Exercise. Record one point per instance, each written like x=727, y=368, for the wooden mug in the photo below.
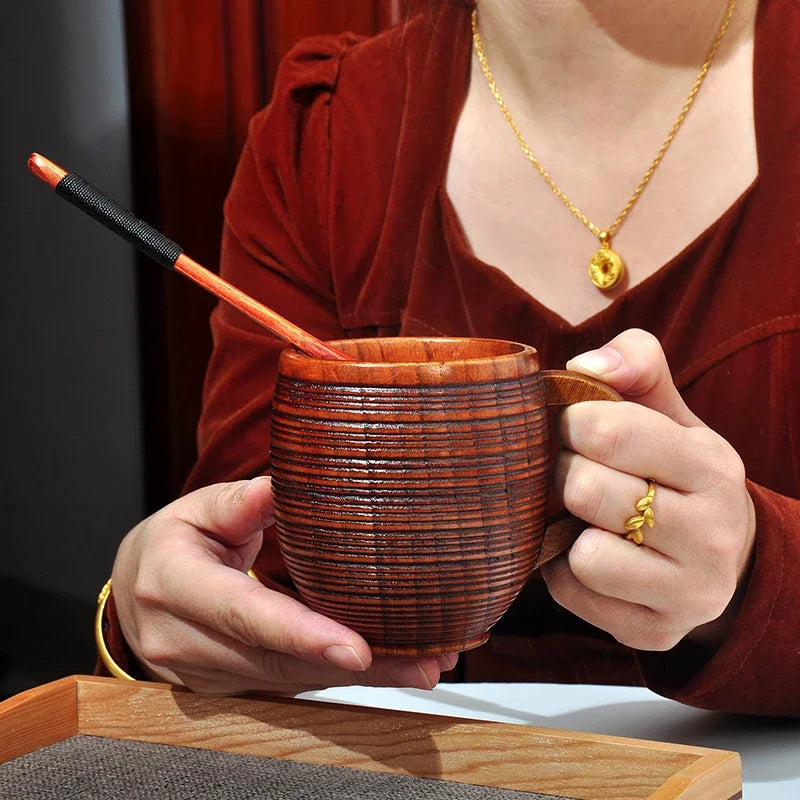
x=411, y=483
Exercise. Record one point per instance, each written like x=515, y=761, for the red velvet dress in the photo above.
x=338, y=219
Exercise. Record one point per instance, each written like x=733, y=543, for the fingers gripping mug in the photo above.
x=411, y=483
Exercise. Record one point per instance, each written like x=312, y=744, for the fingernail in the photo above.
x=430, y=670
x=596, y=362
x=344, y=656
x=254, y=482
x=267, y=513
x=415, y=675
x=447, y=661
x=242, y=491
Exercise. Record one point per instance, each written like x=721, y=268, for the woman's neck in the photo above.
x=553, y=52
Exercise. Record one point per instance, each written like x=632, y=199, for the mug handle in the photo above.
x=563, y=388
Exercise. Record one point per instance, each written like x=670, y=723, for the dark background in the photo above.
x=72, y=450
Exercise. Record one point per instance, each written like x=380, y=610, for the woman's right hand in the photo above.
x=192, y=616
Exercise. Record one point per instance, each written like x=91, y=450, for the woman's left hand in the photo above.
x=698, y=551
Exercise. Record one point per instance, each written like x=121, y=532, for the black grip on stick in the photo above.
x=115, y=217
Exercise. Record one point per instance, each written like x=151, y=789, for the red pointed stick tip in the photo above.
x=45, y=169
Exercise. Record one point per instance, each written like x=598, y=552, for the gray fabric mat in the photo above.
x=91, y=767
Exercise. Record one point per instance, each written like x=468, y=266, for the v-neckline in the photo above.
x=457, y=239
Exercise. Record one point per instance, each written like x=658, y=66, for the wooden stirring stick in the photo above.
x=170, y=255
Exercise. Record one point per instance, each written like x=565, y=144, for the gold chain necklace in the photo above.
x=606, y=268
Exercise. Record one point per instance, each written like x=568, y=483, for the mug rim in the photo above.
x=521, y=350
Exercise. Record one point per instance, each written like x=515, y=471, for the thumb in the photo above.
x=231, y=513
x=634, y=364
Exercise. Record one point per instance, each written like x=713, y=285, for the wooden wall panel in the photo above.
x=198, y=70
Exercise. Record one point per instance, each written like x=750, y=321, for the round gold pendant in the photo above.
x=606, y=268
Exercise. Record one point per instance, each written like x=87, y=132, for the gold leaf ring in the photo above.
x=644, y=515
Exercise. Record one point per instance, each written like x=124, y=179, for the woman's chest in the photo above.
x=531, y=228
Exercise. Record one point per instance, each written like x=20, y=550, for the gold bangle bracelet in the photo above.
x=102, y=650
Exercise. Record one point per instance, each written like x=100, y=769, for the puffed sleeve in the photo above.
x=275, y=248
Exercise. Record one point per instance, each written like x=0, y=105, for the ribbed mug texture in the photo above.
x=412, y=512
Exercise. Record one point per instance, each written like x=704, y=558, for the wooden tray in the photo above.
x=531, y=759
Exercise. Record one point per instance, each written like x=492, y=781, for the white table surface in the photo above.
x=769, y=747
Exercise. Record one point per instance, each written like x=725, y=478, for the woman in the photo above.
x=402, y=185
